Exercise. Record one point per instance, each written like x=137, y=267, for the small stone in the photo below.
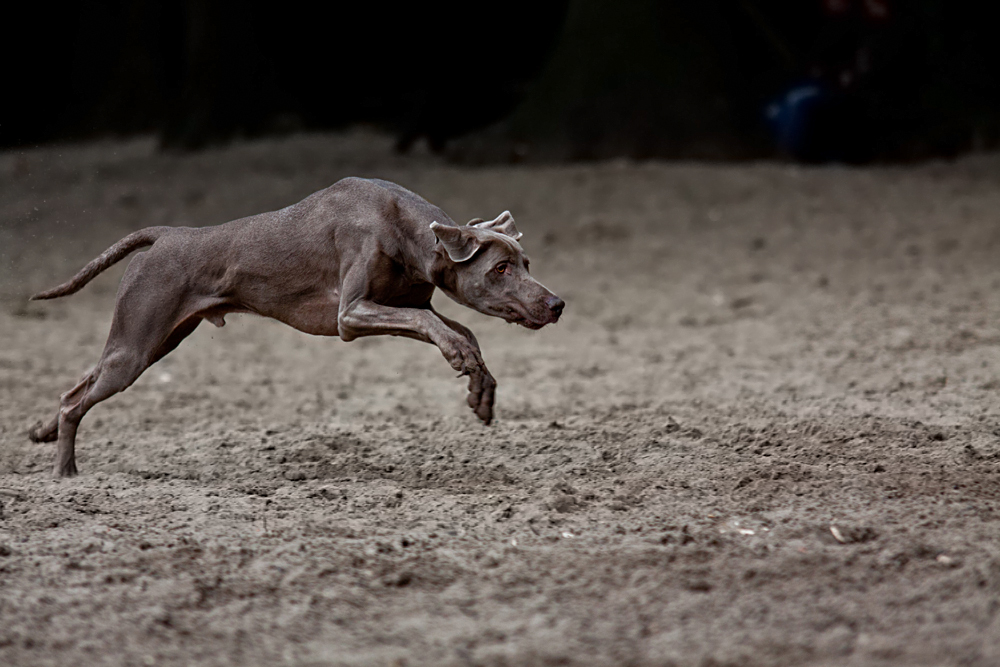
x=399, y=579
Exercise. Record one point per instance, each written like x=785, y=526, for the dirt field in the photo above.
x=766, y=431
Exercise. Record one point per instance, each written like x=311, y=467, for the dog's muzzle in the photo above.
x=555, y=306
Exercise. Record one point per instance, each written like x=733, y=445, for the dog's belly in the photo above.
x=316, y=315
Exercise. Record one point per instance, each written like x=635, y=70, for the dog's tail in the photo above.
x=115, y=253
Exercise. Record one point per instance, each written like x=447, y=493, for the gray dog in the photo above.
x=360, y=258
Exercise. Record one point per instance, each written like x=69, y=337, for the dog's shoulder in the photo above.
x=371, y=199
x=374, y=190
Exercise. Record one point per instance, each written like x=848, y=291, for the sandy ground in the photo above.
x=766, y=431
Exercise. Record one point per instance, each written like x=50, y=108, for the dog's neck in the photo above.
x=440, y=271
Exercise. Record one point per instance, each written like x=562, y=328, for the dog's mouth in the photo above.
x=530, y=324
x=529, y=321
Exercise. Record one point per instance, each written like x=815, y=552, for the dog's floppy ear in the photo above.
x=460, y=244
x=504, y=224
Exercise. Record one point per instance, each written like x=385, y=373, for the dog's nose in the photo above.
x=555, y=304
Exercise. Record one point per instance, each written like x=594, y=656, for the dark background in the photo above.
x=572, y=79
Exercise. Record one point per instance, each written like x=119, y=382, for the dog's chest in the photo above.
x=409, y=295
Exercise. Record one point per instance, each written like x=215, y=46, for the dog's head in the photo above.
x=482, y=266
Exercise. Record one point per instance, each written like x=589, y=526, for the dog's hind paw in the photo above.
x=44, y=433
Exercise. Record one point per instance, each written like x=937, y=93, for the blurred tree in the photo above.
x=227, y=85
x=566, y=79
x=639, y=78
x=203, y=71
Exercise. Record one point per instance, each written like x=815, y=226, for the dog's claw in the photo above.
x=64, y=469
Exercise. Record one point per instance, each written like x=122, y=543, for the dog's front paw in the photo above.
x=463, y=357
x=482, y=391
x=466, y=359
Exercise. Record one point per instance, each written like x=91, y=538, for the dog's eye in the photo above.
x=501, y=267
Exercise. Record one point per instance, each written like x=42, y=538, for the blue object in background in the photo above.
x=788, y=116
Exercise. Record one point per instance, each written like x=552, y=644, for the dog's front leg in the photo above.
x=363, y=317
x=482, y=386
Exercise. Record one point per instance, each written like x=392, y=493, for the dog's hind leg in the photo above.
x=152, y=316
x=45, y=431
x=124, y=360
x=49, y=431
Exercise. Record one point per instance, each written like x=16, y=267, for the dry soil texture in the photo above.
x=766, y=431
